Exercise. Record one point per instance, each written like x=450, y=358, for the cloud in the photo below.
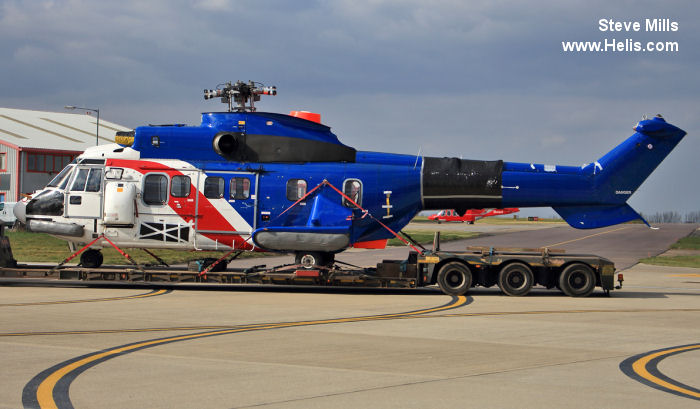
x=488, y=79
x=213, y=5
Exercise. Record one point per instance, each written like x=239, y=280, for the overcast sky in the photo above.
x=476, y=79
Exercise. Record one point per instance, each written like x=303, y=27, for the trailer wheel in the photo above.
x=515, y=279
x=577, y=280
x=454, y=278
x=91, y=258
x=312, y=259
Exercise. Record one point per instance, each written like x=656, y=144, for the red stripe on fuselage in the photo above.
x=185, y=207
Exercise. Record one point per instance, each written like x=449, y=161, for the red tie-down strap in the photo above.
x=102, y=236
x=367, y=213
x=346, y=197
x=212, y=265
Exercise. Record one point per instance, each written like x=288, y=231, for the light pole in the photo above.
x=97, y=111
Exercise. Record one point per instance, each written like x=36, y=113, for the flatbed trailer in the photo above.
x=515, y=271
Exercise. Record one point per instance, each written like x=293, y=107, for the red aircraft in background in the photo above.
x=471, y=215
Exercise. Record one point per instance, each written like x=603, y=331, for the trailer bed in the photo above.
x=514, y=270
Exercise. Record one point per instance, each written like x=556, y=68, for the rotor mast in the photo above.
x=240, y=96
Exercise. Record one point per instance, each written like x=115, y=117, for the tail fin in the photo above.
x=620, y=172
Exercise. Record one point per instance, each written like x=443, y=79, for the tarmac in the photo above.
x=298, y=347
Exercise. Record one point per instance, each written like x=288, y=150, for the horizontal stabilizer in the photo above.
x=592, y=217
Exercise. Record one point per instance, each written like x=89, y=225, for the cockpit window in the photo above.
x=88, y=180
x=60, y=177
x=80, y=179
x=94, y=181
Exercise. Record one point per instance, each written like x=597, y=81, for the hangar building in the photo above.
x=36, y=145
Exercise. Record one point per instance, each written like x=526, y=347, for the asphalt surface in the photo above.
x=309, y=348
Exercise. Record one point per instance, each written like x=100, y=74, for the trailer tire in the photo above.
x=577, y=280
x=454, y=278
x=91, y=258
x=516, y=279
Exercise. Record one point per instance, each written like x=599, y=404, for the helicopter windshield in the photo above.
x=61, y=179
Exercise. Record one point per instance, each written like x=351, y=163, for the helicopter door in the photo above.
x=167, y=209
x=85, y=193
x=229, y=204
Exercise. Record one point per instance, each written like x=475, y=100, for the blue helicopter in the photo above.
x=252, y=180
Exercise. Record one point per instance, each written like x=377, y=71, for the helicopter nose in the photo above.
x=20, y=211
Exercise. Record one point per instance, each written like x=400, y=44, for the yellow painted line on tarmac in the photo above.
x=45, y=390
x=391, y=316
x=543, y=312
x=685, y=275
x=114, y=331
x=640, y=368
x=128, y=297
x=588, y=237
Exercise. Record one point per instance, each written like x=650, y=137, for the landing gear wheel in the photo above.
x=312, y=259
x=577, y=280
x=91, y=258
x=454, y=278
x=515, y=279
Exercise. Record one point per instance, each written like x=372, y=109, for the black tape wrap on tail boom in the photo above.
x=452, y=183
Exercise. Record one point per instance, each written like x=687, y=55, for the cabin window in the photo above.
x=353, y=189
x=214, y=187
x=94, y=182
x=180, y=186
x=296, y=189
x=155, y=189
x=3, y=163
x=240, y=188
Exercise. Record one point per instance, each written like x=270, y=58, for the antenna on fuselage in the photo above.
x=240, y=96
